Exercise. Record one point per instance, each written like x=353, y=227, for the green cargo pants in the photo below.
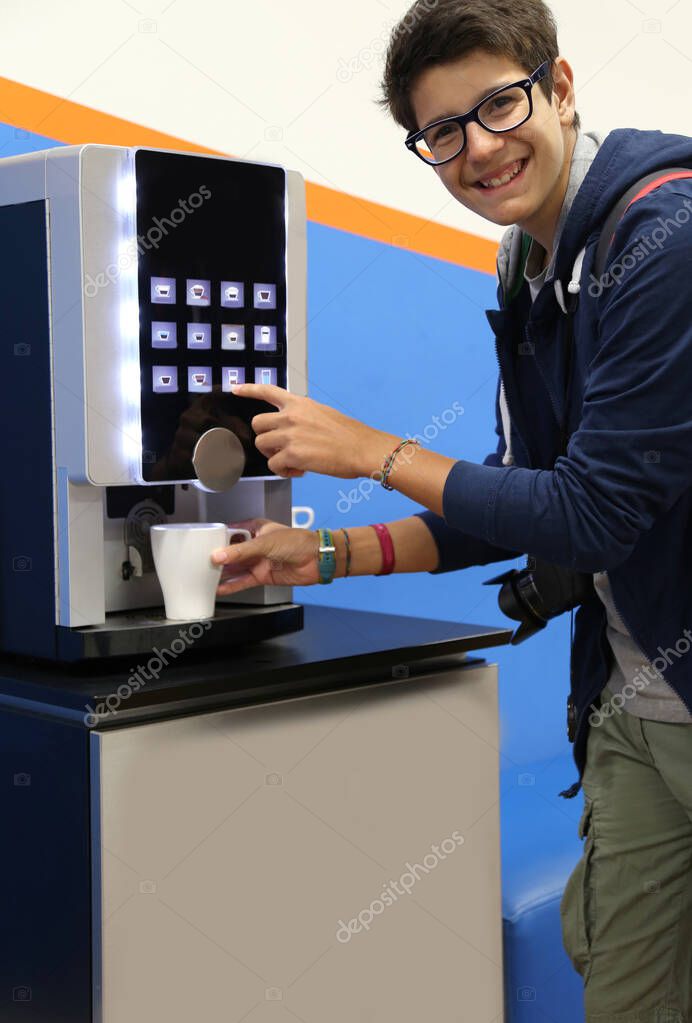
x=627, y=907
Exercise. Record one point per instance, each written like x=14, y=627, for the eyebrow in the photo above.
x=479, y=97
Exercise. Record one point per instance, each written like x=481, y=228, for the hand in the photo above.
x=277, y=556
x=305, y=436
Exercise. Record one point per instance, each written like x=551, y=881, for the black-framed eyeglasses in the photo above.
x=504, y=109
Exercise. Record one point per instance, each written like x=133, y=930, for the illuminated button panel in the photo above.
x=249, y=335
x=212, y=303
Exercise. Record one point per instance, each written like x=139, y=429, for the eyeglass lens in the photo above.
x=502, y=112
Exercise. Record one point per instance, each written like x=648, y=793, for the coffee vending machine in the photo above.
x=136, y=286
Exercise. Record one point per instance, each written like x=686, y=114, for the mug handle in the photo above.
x=231, y=530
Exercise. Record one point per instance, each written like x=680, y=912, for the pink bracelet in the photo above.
x=387, y=546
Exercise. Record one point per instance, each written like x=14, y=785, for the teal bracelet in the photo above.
x=326, y=555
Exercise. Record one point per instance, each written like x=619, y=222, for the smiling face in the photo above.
x=540, y=150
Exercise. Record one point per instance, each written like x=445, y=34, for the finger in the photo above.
x=262, y=392
x=236, y=583
x=271, y=443
x=279, y=465
x=238, y=553
x=266, y=421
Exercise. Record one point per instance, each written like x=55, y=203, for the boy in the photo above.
x=593, y=469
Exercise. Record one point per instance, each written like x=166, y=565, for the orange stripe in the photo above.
x=65, y=121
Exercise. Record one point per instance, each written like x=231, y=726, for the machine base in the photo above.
x=132, y=633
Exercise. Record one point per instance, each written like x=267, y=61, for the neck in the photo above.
x=543, y=224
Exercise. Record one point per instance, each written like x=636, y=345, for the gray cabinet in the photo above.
x=332, y=858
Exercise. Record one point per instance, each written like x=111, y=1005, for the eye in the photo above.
x=439, y=133
x=500, y=102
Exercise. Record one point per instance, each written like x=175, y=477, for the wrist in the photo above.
x=380, y=447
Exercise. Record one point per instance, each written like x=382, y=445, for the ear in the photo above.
x=563, y=91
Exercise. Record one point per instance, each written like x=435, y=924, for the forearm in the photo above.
x=417, y=472
x=415, y=549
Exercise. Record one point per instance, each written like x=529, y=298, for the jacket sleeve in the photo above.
x=458, y=549
x=630, y=458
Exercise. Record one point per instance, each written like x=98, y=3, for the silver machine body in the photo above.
x=137, y=286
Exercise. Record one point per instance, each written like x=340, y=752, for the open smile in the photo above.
x=516, y=170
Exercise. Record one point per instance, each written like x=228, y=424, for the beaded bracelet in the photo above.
x=348, y=552
x=389, y=462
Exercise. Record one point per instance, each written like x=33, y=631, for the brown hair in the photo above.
x=434, y=32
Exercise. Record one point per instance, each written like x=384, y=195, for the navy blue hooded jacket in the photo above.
x=620, y=499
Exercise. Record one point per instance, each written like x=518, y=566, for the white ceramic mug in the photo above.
x=182, y=556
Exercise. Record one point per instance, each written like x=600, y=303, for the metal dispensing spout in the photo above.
x=218, y=459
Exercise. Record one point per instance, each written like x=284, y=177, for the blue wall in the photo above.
x=394, y=339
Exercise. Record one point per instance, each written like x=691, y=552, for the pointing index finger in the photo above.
x=264, y=392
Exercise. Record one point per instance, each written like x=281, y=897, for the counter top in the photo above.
x=336, y=649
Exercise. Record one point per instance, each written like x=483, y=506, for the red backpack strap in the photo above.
x=636, y=191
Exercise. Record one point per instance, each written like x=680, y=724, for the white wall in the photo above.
x=265, y=78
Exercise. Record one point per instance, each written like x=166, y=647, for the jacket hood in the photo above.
x=625, y=156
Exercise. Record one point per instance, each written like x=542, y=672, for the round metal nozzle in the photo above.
x=219, y=460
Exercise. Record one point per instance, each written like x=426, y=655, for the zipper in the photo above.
x=529, y=336
x=504, y=377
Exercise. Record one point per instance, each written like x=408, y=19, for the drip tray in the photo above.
x=131, y=633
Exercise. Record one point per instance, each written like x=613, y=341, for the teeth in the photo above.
x=494, y=182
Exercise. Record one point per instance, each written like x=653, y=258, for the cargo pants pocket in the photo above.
x=577, y=904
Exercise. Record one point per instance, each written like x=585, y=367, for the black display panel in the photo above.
x=212, y=302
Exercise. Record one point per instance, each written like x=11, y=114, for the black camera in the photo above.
x=539, y=592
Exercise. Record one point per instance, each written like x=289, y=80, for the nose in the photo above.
x=481, y=145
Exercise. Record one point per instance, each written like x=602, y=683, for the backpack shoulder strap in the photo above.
x=636, y=191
